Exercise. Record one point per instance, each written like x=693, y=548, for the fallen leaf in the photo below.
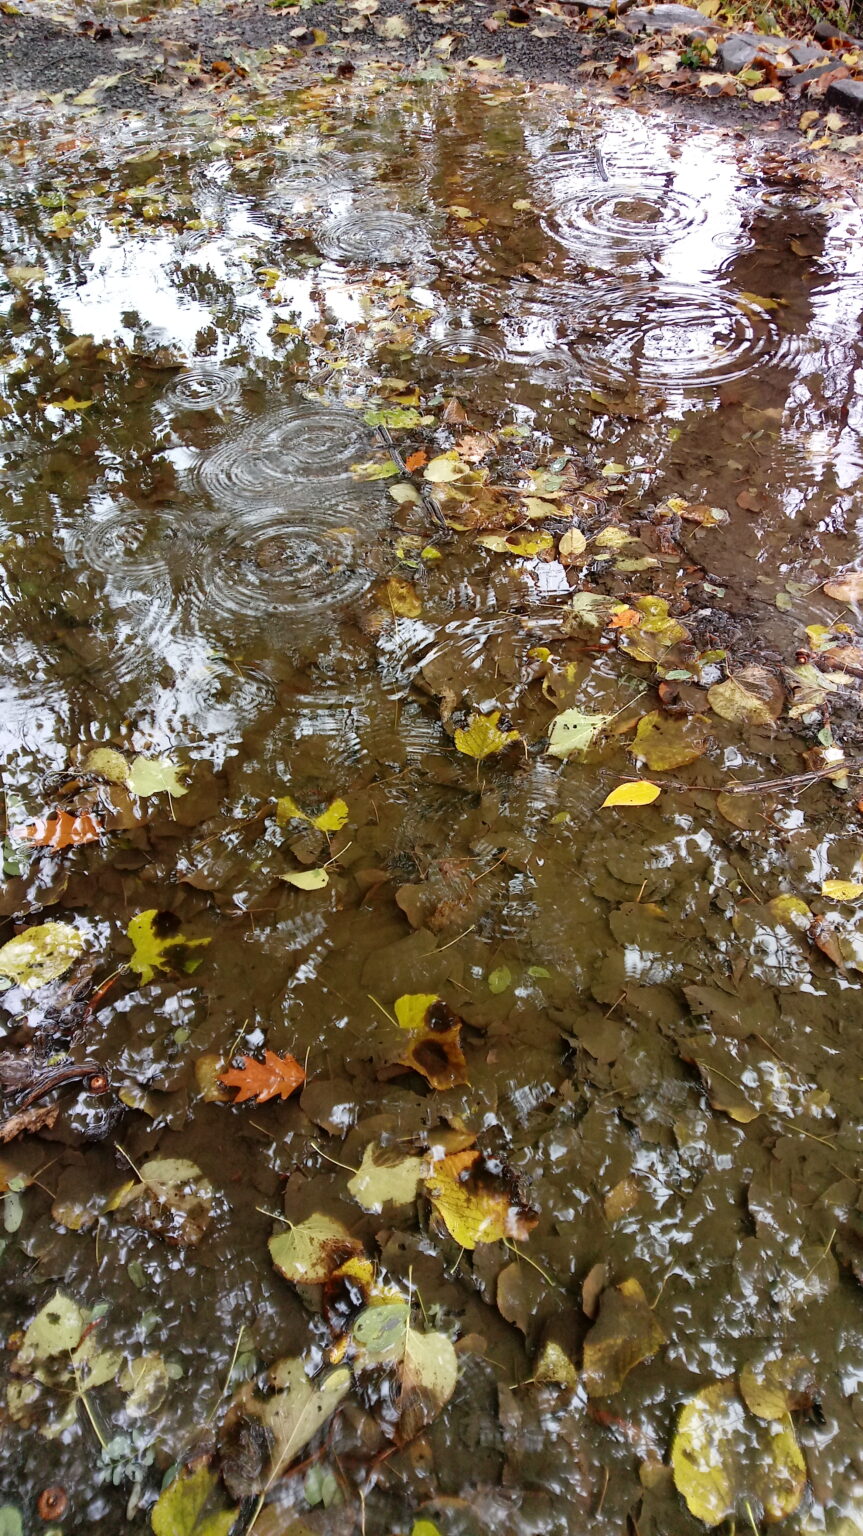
x=274, y=1077
x=60, y=830
x=156, y=776
x=841, y=890
x=330, y=820
x=68, y=404
x=173, y=1199
x=523, y=544
x=39, y=1117
x=309, y=1252
x=625, y=1333
x=574, y=731
x=402, y=597
x=158, y=945
x=642, y=792
x=40, y=954
x=727, y=1462
x=297, y=1409
x=571, y=545
x=386, y=1176
x=107, y=764
x=412, y=1009
x=307, y=879
x=425, y=1366
x=663, y=742
x=765, y=93
x=190, y=1506
x=437, y=1056
x=847, y=588
x=476, y=1202
x=483, y=737
x=752, y=696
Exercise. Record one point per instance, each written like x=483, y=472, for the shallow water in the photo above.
x=627, y=310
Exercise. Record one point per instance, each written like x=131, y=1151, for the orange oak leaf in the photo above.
x=274, y=1077
x=60, y=830
x=416, y=460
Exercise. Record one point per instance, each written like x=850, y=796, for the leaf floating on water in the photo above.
x=156, y=776
x=274, y=1077
x=499, y=980
x=847, y=588
x=174, y=1200
x=726, y=1461
x=107, y=764
x=773, y=1388
x=477, y=1203
x=40, y=954
x=188, y=1506
x=298, y=1409
x=625, y=1333
x=642, y=792
x=402, y=598
x=425, y=1364
x=160, y=946
x=663, y=742
x=483, y=737
x=22, y=277
x=60, y=830
x=412, y=1009
x=841, y=890
x=330, y=820
x=307, y=879
x=438, y=1057
x=524, y=544
x=69, y=404
x=752, y=697
x=312, y=1250
x=574, y=731
x=386, y=1176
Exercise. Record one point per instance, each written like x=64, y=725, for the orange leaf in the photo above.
x=60, y=830
x=274, y=1077
x=416, y=460
x=624, y=619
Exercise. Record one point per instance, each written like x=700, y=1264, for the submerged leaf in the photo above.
x=307, y=879
x=752, y=697
x=847, y=588
x=476, y=1202
x=426, y=1365
x=174, y=1199
x=156, y=776
x=524, y=544
x=309, y=1252
x=40, y=954
x=299, y=1408
x=842, y=890
x=437, y=1056
x=726, y=1462
x=663, y=742
x=160, y=946
x=60, y=830
x=274, y=1077
x=483, y=737
x=386, y=1176
x=182, y=1508
x=625, y=1333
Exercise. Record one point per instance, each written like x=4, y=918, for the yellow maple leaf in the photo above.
x=483, y=736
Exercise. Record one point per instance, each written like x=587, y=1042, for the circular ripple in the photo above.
x=464, y=351
x=374, y=237
x=280, y=448
x=628, y=215
x=131, y=545
x=674, y=336
x=203, y=387
x=280, y=565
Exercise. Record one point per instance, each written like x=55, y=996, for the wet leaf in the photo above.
x=40, y=954
x=478, y=1203
x=11, y=1523
x=393, y=416
x=524, y=544
x=625, y=1333
x=574, y=731
x=189, y=1506
x=274, y=1077
x=298, y=1409
x=483, y=737
x=402, y=597
x=499, y=980
x=156, y=776
x=173, y=1199
x=642, y=792
x=146, y=1382
x=571, y=545
x=107, y=764
x=426, y=1365
x=438, y=1057
x=847, y=588
x=160, y=946
x=23, y=277
x=412, y=1009
x=752, y=697
x=69, y=404
x=330, y=820
x=725, y=1460
x=386, y=1176
x=307, y=879
x=55, y=1330
x=60, y=830
x=309, y=1252
x=663, y=742
x=841, y=890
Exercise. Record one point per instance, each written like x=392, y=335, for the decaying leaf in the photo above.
x=386, y=1176
x=191, y=1506
x=40, y=954
x=483, y=736
x=663, y=742
x=401, y=597
x=425, y=1366
x=60, y=830
x=478, y=1201
x=173, y=1199
x=525, y=544
x=437, y=1055
x=774, y=1388
x=107, y=764
x=655, y=633
x=625, y=1333
x=274, y=1077
x=641, y=792
x=309, y=1252
x=727, y=1463
x=160, y=946
x=842, y=890
x=61, y=1351
x=847, y=588
x=752, y=696
x=574, y=731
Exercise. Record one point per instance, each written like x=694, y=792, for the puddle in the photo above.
x=619, y=363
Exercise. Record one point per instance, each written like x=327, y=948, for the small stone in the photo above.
x=847, y=94
x=805, y=53
x=737, y=53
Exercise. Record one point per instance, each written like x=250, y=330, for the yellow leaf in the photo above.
x=411, y=1009
x=765, y=93
x=308, y=879
x=535, y=507
x=447, y=466
x=572, y=544
x=483, y=737
x=160, y=946
x=642, y=792
x=476, y=1205
x=663, y=742
x=524, y=544
x=841, y=890
x=403, y=598
x=333, y=818
x=40, y=954
x=69, y=404
x=725, y=1460
x=288, y=810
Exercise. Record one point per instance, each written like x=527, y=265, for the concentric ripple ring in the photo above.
x=281, y=447
x=374, y=236
x=203, y=387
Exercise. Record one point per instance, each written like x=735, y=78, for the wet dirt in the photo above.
x=573, y=321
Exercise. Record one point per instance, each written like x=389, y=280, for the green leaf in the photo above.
x=727, y=1462
x=155, y=776
x=10, y=1521
x=393, y=416
x=574, y=731
x=500, y=979
x=40, y=954
x=298, y=1409
x=159, y=945
x=55, y=1330
x=483, y=737
x=386, y=1177
x=179, y=1509
x=308, y=1252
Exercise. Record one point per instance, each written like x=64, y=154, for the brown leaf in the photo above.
x=454, y=414
x=60, y=830
x=625, y=1333
x=39, y=1117
x=438, y=1057
x=274, y=1077
x=847, y=588
x=592, y=1287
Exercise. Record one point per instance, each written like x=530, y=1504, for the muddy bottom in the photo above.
x=400, y=1138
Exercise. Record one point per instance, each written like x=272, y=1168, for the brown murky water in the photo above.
x=655, y=1045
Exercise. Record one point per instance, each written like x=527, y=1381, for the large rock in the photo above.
x=668, y=18
x=847, y=94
